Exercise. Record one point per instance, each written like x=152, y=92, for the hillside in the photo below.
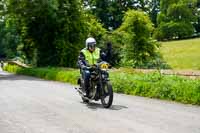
x=184, y=54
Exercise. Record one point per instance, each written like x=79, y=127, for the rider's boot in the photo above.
x=86, y=90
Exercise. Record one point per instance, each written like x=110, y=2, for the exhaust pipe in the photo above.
x=81, y=94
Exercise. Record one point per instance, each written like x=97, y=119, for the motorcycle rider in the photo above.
x=89, y=56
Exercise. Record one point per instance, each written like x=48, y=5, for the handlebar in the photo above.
x=97, y=66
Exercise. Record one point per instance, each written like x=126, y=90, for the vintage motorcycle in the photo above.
x=99, y=85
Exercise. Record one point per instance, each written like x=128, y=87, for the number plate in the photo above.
x=104, y=66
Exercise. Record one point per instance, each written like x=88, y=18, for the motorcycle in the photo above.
x=99, y=86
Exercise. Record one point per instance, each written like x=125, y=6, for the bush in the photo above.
x=58, y=74
x=156, y=86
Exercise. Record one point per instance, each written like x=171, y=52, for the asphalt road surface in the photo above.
x=32, y=105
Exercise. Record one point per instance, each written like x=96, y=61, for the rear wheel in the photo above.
x=107, y=97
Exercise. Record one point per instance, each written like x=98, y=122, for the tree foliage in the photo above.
x=197, y=24
x=176, y=19
x=135, y=36
x=51, y=30
x=2, y=45
x=94, y=28
x=9, y=37
x=111, y=12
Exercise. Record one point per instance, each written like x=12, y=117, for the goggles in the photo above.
x=91, y=45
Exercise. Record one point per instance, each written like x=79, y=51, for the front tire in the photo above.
x=107, y=96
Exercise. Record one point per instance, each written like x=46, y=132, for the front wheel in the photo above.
x=107, y=96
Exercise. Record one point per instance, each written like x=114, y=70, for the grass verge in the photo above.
x=151, y=85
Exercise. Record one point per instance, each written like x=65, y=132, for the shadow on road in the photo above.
x=95, y=106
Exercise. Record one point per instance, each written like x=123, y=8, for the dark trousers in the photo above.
x=86, y=77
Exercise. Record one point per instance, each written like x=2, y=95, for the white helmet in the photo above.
x=90, y=42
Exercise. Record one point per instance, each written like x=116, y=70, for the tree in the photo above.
x=154, y=10
x=197, y=24
x=176, y=19
x=51, y=30
x=94, y=28
x=111, y=12
x=2, y=46
x=135, y=36
x=9, y=38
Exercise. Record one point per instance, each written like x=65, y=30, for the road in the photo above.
x=32, y=105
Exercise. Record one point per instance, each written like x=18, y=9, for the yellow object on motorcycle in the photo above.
x=104, y=66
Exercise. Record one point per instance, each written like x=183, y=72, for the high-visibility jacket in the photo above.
x=91, y=57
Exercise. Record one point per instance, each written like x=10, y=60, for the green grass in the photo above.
x=184, y=54
x=151, y=85
x=56, y=74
